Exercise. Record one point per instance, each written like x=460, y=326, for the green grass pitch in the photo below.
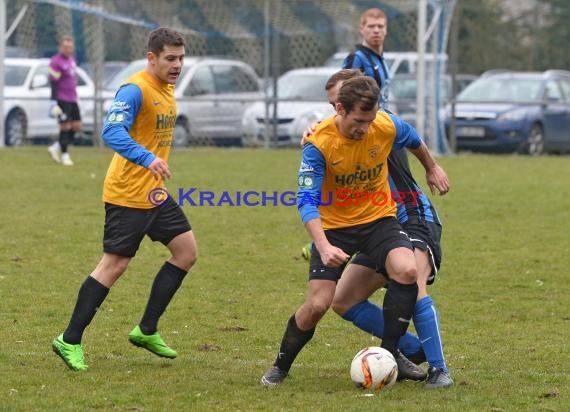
x=502, y=293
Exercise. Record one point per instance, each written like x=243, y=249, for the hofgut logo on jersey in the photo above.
x=165, y=121
x=359, y=176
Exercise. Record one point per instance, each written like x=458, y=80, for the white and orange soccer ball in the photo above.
x=374, y=369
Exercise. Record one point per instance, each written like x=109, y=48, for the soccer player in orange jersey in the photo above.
x=139, y=127
x=344, y=202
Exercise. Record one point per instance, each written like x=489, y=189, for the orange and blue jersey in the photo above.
x=139, y=127
x=344, y=181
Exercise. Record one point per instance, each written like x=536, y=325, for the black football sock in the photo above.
x=90, y=297
x=65, y=137
x=293, y=341
x=166, y=283
x=399, y=303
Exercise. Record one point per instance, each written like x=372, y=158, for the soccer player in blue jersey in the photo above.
x=368, y=55
x=420, y=220
x=139, y=127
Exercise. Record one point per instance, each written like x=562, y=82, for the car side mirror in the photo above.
x=40, y=80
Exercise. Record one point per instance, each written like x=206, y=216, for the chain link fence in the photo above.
x=271, y=36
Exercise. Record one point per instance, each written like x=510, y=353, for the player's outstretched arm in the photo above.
x=435, y=175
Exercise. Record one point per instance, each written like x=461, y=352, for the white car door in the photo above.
x=86, y=97
x=37, y=104
x=39, y=121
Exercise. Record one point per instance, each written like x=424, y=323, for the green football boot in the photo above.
x=306, y=251
x=72, y=355
x=152, y=343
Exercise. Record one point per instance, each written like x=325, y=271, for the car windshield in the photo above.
x=116, y=81
x=301, y=86
x=501, y=89
x=15, y=75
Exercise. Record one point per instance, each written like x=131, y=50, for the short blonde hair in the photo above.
x=373, y=13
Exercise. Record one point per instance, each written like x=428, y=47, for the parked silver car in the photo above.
x=211, y=94
x=27, y=100
x=302, y=101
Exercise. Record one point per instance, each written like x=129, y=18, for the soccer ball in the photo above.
x=373, y=368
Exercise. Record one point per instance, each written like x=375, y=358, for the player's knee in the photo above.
x=109, y=270
x=186, y=259
x=184, y=251
x=318, y=308
x=407, y=274
x=339, y=307
x=119, y=268
x=192, y=257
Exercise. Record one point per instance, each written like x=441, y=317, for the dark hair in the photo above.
x=162, y=36
x=341, y=75
x=362, y=91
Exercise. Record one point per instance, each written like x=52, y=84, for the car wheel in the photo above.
x=15, y=128
x=181, y=133
x=247, y=141
x=535, y=141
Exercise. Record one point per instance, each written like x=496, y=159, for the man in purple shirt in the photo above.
x=64, y=100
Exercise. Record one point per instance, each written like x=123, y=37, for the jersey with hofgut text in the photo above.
x=345, y=181
x=139, y=126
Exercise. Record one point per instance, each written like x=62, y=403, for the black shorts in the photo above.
x=70, y=112
x=125, y=227
x=423, y=235
x=375, y=239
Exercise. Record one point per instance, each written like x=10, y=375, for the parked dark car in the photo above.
x=506, y=111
